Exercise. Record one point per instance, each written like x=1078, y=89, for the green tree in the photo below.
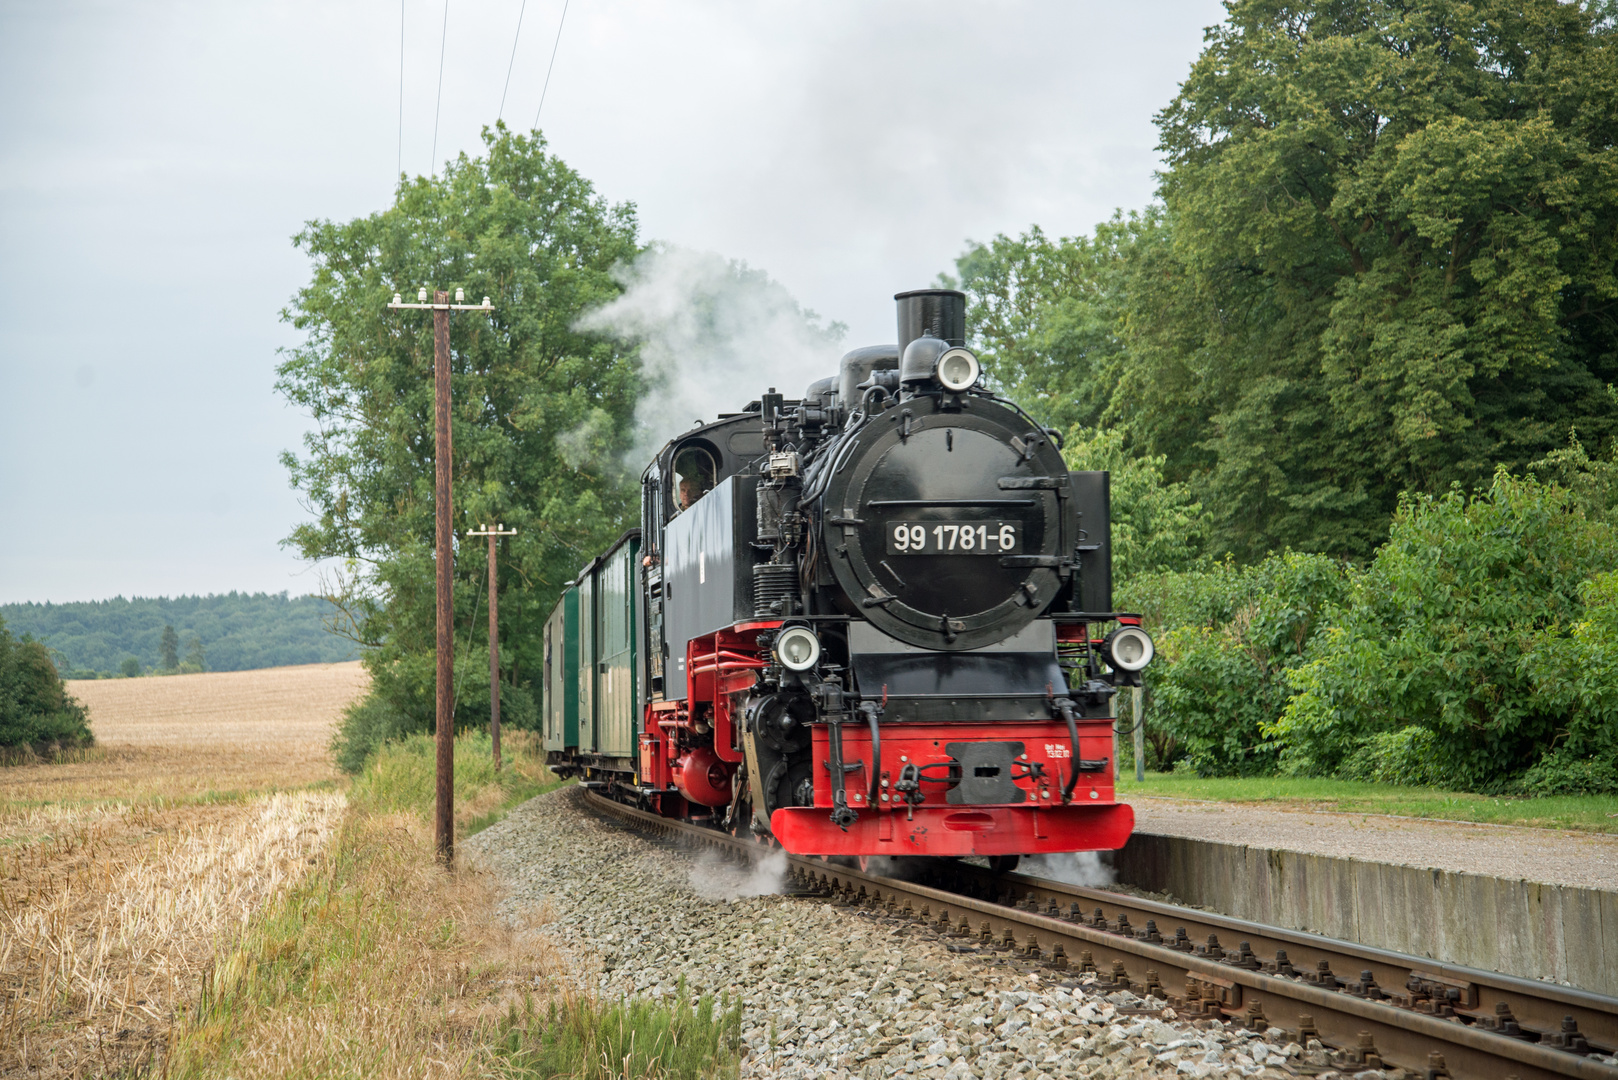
x=519, y=226
x=35, y=709
x=1387, y=259
x=168, y=651
x=1044, y=315
x=195, y=659
x=130, y=668
x=239, y=631
x=1157, y=526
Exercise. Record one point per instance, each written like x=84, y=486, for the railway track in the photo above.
x=1370, y=1007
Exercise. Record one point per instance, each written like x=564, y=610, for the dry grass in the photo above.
x=95, y=963
x=195, y=898
x=123, y=870
x=382, y=966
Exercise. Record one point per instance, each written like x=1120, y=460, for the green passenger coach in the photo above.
x=561, y=675
x=592, y=685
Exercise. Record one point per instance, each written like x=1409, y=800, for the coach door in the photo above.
x=551, y=689
x=651, y=540
x=561, y=673
x=588, y=621
x=615, y=670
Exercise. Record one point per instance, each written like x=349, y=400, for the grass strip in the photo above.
x=587, y=1039
x=401, y=777
x=1587, y=813
x=382, y=964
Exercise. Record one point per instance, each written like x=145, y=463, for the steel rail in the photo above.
x=1403, y=980
x=1361, y=1028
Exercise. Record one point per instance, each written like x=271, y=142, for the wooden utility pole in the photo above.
x=1140, y=735
x=444, y=520
x=444, y=555
x=494, y=637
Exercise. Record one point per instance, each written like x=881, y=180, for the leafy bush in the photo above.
x=1559, y=773
x=367, y=725
x=1227, y=636
x=1157, y=526
x=1577, y=676
x=36, y=713
x=1472, y=624
x=1405, y=757
x=401, y=703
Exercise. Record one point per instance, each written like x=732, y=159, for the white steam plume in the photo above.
x=714, y=879
x=1073, y=868
x=714, y=335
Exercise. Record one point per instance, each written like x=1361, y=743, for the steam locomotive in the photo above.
x=876, y=620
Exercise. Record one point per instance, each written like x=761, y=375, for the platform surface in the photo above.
x=1557, y=857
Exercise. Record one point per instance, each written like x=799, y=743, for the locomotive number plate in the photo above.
x=953, y=537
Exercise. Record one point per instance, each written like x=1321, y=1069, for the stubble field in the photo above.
x=202, y=894
x=125, y=869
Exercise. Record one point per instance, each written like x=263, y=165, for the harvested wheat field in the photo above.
x=125, y=870
x=189, y=736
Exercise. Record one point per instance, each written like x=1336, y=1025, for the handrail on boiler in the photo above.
x=733, y=661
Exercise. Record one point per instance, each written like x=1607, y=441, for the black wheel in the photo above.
x=795, y=786
x=781, y=722
x=1004, y=864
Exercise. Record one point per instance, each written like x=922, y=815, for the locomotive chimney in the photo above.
x=940, y=313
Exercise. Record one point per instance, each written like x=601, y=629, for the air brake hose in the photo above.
x=1065, y=707
x=872, y=710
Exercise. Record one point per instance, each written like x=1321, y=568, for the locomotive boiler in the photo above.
x=873, y=620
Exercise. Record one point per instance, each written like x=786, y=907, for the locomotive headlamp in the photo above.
x=1129, y=648
x=957, y=369
x=797, y=648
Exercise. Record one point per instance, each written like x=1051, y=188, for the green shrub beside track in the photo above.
x=1477, y=649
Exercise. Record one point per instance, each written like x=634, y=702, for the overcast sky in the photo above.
x=155, y=159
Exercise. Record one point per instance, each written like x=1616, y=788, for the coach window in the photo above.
x=694, y=471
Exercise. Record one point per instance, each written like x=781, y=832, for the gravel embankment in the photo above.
x=833, y=991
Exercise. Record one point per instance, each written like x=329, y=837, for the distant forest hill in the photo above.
x=237, y=631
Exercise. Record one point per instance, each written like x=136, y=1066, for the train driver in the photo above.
x=694, y=472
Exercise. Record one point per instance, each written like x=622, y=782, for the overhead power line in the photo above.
x=399, y=168
x=501, y=114
x=437, y=108
x=559, y=24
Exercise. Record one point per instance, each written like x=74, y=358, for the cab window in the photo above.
x=694, y=470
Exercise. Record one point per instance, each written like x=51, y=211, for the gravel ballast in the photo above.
x=830, y=990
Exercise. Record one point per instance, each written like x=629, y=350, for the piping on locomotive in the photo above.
x=865, y=622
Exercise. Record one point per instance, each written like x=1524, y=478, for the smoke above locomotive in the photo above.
x=872, y=620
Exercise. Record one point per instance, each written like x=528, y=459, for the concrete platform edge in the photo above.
x=1526, y=928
